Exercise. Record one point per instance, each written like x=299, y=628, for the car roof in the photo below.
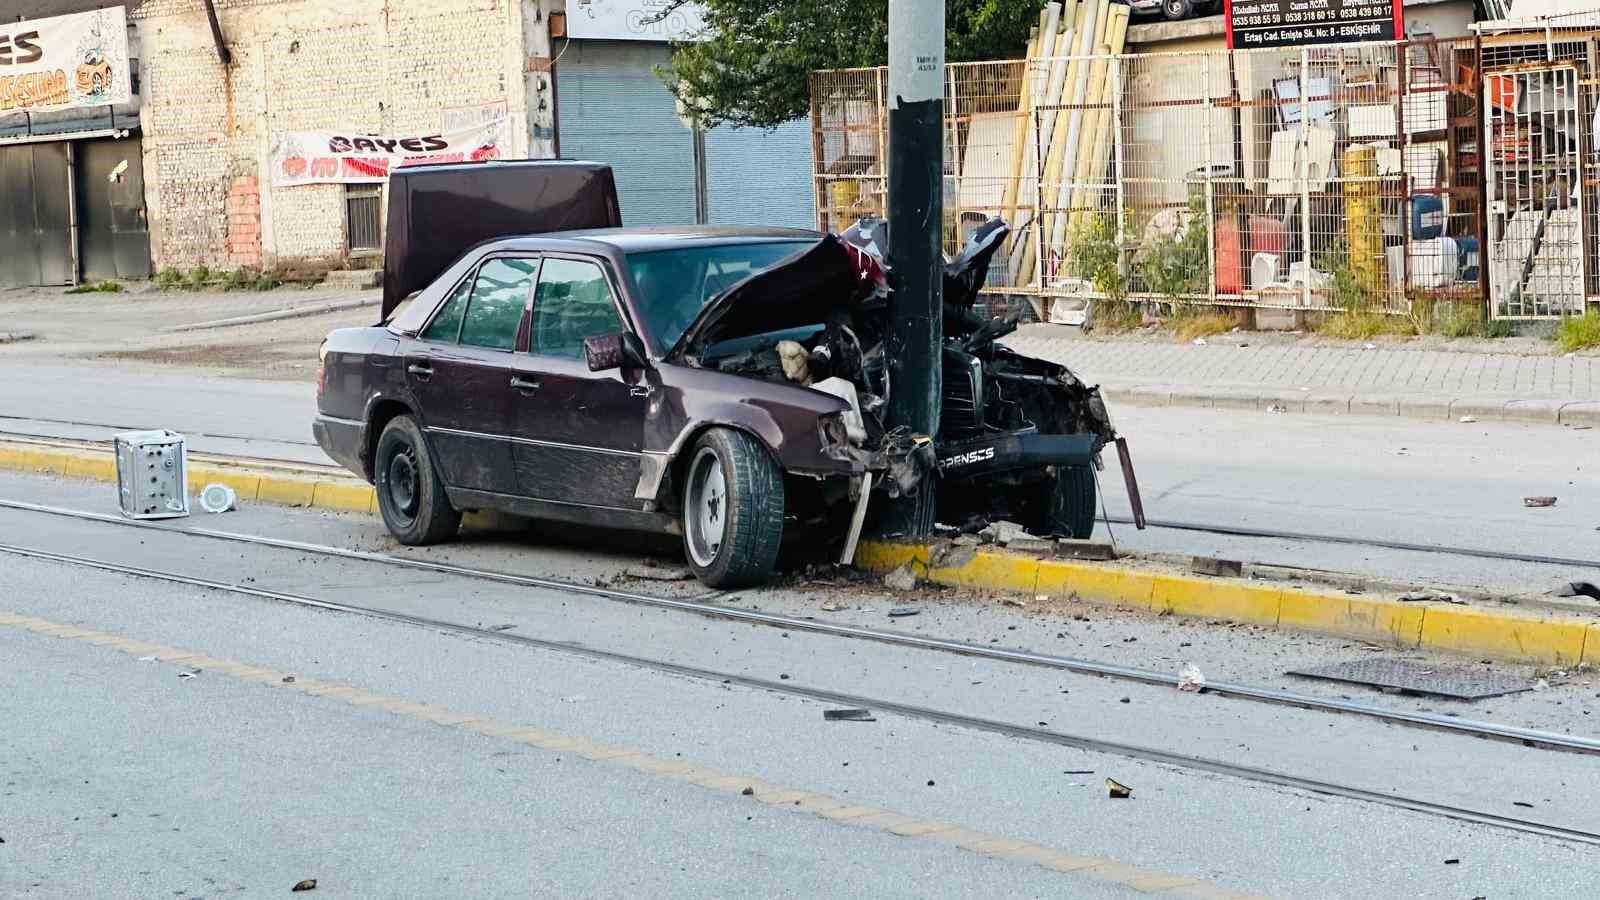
x=656, y=237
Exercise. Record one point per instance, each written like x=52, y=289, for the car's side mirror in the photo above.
x=613, y=351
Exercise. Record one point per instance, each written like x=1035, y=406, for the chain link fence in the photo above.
x=1308, y=179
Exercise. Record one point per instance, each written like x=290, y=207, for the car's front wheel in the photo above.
x=1177, y=9
x=1072, y=501
x=732, y=510
x=410, y=495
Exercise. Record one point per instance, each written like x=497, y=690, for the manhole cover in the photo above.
x=1418, y=678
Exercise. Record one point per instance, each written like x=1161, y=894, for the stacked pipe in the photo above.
x=1067, y=78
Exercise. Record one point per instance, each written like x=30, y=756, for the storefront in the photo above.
x=71, y=169
x=612, y=107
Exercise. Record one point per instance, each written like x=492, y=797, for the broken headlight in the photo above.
x=835, y=433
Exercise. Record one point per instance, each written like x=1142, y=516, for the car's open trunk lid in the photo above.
x=438, y=211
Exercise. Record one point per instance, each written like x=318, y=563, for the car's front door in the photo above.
x=461, y=370
x=579, y=433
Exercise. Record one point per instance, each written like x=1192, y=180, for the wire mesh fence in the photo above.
x=1325, y=178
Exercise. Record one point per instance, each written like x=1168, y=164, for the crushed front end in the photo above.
x=1020, y=439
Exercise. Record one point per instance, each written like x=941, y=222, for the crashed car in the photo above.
x=727, y=385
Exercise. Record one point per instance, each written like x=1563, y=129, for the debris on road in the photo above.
x=1468, y=420
x=748, y=792
x=901, y=579
x=217, y=497
x=1077, y=771
x=1191, y=679
x=1277, y=408
x=307, y=884
x=1538, y=502
x=1117, y=790
x=193, y=674
x=848, y=715
x=1429, y=596
x=1221, y=568
x=902, y=611
x=1002, y=533
x=1452, y=862
x=1032, y=545
x=147, y=659
x=651, y=571
x=831, y=606
x=1579, y=589
x=288, y=679
x=1014, y=601
x=1068, y=548
x=1523, y=803
x=14, y=337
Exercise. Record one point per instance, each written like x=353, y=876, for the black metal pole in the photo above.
x=916, y=223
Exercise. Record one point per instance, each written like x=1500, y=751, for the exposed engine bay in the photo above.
x=1019, y=438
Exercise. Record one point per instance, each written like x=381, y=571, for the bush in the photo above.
x=168, y=278
x=104, y=287
x=1578, y=333
x=1193, y=323
x=198, y=278
x=1094, y=253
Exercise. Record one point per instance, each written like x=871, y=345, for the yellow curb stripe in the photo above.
x=808, y=802
x=1504, y=634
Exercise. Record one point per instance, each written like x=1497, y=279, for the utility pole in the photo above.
x=916, y=224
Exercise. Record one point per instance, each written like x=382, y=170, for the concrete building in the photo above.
x=226, y=140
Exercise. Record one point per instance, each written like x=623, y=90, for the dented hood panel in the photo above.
x=800, y=290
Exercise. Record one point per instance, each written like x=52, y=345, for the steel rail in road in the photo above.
x=908, y=710
x=1310, y=538
x=1527, y=737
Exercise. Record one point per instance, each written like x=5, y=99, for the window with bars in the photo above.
x=363, y=218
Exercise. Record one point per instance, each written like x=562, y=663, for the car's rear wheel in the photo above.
x=1072, y=503
x=410, y=495
x=732, y=510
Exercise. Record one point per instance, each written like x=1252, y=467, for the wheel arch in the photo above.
x=380, y=413
x=680, y=455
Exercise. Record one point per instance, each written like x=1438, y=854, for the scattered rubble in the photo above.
x=1579, y=589
x=653, y=571
x=901, y=579
x=848, y=715
x=900, y=612
x=308, y=884
x=1191, y=679
x=1468, y=420
x=1538, y=502
x=1222, y=568
x=1116, y=790
x=1430, y=596
x=1067, y=548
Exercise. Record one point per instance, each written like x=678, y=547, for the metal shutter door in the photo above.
x=612, y=109
x=758, y=177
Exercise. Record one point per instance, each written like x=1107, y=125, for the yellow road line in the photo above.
x=796, y=800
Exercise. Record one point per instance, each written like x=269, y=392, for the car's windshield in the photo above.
x=674, y=284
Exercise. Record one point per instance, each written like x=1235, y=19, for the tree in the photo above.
x=755, y=64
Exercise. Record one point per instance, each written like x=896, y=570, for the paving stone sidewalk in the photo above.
x=1389, y=379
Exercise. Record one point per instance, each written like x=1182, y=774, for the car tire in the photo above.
x=410, y=495
x=732, y=513
x=1072, y=503
x=1175, y=10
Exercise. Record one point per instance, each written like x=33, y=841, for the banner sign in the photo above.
x=317, y=157
x=633, y=20
x=64, y=62
x=1292, y=23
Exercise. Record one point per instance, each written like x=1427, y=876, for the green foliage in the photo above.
x=1178, y=264
x=1198, y=322
x=1094, y=252
x=265, y=281
x=755, y=66
x=104, y=287
x=197, y=278
x=169, y=278
x=1578, y=333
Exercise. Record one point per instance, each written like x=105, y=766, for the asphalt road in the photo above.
x=1446, y=483
x=124, y=779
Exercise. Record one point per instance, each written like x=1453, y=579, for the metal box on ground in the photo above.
x=152, y=474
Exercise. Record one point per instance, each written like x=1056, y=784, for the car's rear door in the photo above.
x=579, y=433
x=461, y=370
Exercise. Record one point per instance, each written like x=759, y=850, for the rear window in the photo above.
x=673, y=285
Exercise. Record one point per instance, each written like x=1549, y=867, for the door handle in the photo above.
x=638, y=390
x=422, y=370
x=523, y=384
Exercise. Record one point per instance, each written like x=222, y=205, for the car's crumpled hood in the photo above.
x=802, y=289
x=838, y=272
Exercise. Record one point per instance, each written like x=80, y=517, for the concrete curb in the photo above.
x=1517, y=637
x=292, y=312
x=1504, y=635
x=1433, y=407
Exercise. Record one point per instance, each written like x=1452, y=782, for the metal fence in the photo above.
x=1326, y=178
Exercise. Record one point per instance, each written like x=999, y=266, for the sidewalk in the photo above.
x=1266, y=373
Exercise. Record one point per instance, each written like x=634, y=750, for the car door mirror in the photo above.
x=612, y=351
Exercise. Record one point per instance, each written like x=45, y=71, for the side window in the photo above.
x=447, y=324
x=573, y=302
x=498, y=298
